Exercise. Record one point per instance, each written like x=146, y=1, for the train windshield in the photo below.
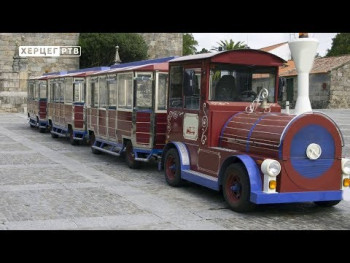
x=241, y=83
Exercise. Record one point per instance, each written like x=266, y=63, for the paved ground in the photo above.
x=46, y=183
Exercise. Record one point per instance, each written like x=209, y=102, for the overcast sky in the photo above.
x=260, y=40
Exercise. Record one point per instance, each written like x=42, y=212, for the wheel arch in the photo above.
x=248, y=164
x=181, y=150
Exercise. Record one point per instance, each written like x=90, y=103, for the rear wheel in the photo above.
x=130, y=156
x=236, y=188
x=327, y=203
x=92, y=142
x=172, y=168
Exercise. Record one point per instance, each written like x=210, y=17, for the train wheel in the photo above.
x=236, y=188
x=71, y=140
x=327, y=203
x=172, y=168
x=130, y=156
x=91, y=142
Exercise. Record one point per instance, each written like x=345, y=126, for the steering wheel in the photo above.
x=248, y=95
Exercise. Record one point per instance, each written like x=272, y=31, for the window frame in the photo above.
x=137, y=73
x=119, y=108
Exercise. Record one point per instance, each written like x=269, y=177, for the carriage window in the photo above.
x=94, y=93
x=36, y=90
x=103, y=95
x=144, y=90
x=124, y=83
x=175, y=96
x=42, y=90
x=162, y=90
x=30, y=90
x=112, y=93
x=78, y=91
x=68, y=90
x=241, y=83
x=191, y=86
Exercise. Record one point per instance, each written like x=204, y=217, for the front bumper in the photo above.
x=297, y=197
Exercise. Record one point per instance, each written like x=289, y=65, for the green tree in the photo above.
x=230, y=45
x=98, y=49
x=340, y=45
x=204, y=50
x=189, y=44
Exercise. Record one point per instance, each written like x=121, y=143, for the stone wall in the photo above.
x=340, y=88
x=318, y=92
x=163, y=44
x=15, y=72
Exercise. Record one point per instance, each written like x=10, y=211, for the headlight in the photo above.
x=271, y=167
x=345, y=165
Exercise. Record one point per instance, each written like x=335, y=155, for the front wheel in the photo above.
x=327, y=203
x=172, y=168
x=236, y=188
x=130, y=156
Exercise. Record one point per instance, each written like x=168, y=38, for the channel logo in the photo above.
x=49, y=51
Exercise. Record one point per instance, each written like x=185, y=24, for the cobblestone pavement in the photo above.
x=46, y=183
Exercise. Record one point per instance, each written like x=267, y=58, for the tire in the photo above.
x=130, y=156
x=54, y=135
x=238, y=198
x=172, y=168
x=91, y=142
x=71, y=140
x=327, y=203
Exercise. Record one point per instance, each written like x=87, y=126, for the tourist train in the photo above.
x=211, y=119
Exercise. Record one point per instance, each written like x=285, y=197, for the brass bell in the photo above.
x=264, y=104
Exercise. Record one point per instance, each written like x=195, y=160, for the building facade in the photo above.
x=15, y=70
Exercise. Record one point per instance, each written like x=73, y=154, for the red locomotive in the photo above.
x=226, y=131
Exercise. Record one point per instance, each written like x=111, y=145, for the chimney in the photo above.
x=303, y=53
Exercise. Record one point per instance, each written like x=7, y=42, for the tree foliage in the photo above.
x=340, y=45
x=189, y=44
x=204, y=50
x=230, y=45
x=98, y=49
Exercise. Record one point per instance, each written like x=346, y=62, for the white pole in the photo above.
x=303, y=53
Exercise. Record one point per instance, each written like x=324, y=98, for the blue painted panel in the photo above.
x=87, y=70
x=212, y=184
x=253, y=172
x=264, y=198
x=143, y=62
x=55, y=73
x=302, y=139
x=184, y=155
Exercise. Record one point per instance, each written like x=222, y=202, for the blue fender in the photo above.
x=252, y=170
x=183, y=153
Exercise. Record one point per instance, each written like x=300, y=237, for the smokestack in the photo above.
x=303, y=53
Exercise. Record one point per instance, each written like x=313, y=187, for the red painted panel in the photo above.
x=79, y=116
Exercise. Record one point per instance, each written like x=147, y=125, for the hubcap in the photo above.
x=234, y=188
x=170, y=167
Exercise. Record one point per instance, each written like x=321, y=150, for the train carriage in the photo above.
x=225, y=131
x=66, y=105
x=37, y=100
x=126, y=110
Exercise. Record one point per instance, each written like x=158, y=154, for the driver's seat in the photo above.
x=226, y=88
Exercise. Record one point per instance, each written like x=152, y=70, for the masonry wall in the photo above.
x=163, y=44
x=340, y=87
x=15, y=72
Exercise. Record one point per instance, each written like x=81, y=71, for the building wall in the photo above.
x=163, y=44
x=15, y=72
x=319, y=96
x=340, y=88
